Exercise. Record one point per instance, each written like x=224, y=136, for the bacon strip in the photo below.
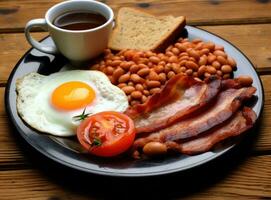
x=242, y=121
x=181, y=96
x=226, y=104
x=234, y=83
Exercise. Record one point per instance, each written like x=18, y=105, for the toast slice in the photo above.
x=138, y=30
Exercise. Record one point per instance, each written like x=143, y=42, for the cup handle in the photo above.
x=42, y=24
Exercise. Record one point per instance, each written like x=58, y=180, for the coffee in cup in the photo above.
x=80, y=29
x=79, y=20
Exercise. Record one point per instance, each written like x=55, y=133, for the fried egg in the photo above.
x=51, y=103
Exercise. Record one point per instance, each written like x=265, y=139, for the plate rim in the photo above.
x=119, y=174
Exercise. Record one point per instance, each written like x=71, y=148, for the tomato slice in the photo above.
x=106, y=133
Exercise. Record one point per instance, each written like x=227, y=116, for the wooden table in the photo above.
x=245, y=172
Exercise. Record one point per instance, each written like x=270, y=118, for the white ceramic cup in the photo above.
x=76, y=45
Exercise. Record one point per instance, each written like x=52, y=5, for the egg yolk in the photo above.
x=72, y=95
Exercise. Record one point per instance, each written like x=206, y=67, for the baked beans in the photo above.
x=142, y=73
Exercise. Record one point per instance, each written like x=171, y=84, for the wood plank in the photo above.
x=15, y=13
x=10, y=148
x=253, y=40
x=263, y=142
x=13, y=46
x=14, y=151
x=31, y=184
x=243, y=180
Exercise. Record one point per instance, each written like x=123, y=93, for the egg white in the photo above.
x=34, y=95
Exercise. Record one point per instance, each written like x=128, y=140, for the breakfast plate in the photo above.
x=68, y=151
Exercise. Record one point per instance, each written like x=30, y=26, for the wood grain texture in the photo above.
x=13, y=153
x=253, y=40
x=8, y=147
x=243, y=180
x=244, y=173
x=30, y=184
x=12, y=48
x=263, y=142
x=15, y=13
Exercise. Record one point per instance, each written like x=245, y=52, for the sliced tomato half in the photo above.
x=106, y=133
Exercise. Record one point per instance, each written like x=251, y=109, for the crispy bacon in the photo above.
x=239, y=123
x=233, y=83
x=225, y=105
x=181, y=96
x=230, y=83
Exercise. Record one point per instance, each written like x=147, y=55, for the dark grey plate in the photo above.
x=68, y=152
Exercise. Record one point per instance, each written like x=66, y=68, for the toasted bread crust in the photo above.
x=163, y=42
x=171, y=37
